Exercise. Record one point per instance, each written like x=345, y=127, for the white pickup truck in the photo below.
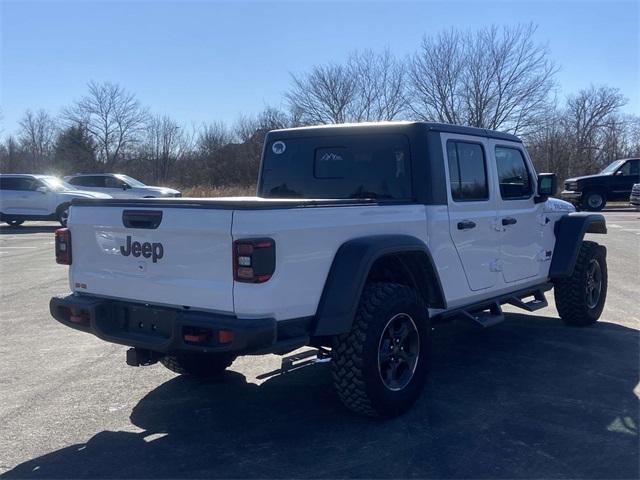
x=360, y=239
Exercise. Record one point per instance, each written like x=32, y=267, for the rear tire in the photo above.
x=379, y=367
x=593, y=201
x=200, y=365
x=580, y=298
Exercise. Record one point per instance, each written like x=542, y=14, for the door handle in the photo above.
x=509, y=221
x=466, y=225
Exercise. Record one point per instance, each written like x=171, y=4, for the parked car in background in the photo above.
x=634, y=198
x=37, y=197
x=614, y=183
x=119, y=186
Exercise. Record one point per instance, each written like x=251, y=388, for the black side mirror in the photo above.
x=125, y=186
x=547, y=185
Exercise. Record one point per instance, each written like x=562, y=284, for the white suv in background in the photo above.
x=119, y=186
x=37, y=197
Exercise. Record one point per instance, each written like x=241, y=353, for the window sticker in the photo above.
x=278, y=147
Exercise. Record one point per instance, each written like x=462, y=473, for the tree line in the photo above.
x=495, y=78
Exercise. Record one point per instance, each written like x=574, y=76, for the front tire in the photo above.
x=379, y=367
x=580, y=298
x=593, y=201
x=200, y=365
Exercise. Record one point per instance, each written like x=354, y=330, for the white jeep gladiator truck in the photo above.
x=361, y=238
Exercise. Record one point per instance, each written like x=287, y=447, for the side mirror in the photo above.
x=125, y=186
x=547, y=184
x=42, y=190
x=619, y=172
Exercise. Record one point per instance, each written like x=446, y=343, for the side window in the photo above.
x=513, y=175
x=9, y=183
x=112, y=182
x=467, y=171
x=18, y=183
x=624, y=169
x=88, y=181
x=632, y=167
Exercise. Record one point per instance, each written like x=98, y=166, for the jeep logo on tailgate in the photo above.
x=155, y=251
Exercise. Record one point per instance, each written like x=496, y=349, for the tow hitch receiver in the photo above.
x=138, y=357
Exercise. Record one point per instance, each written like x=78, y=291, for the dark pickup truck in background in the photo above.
x=614, y=183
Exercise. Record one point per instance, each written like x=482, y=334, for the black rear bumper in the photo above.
x=163, y=329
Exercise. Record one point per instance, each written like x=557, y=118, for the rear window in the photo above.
x=340, y=167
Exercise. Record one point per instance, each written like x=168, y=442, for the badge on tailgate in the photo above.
x=155, y=250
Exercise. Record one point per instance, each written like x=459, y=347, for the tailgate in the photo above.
x=184, y=261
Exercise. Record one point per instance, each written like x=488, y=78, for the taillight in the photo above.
x=254, y=260
x=63, y=246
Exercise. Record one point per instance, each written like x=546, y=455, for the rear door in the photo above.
x=472, y=209
x=169, y=256
x=519, y=216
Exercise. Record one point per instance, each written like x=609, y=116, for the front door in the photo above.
x=519, y=217
x=624, y=179
x=472, y=210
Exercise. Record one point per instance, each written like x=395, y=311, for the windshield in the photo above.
x=131, y=181
x=337, y=167
x=612, y=167
x=54, y=183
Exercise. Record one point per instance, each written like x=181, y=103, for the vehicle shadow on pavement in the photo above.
x=25, y=229
x=527, y=398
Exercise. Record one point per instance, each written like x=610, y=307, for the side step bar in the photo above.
x=489, y=312
x=539, y=301
x=486, y=318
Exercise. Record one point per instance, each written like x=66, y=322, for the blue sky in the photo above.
x=205, y=61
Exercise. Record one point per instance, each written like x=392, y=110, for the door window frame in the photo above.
x=487, y=180
x=527, y=166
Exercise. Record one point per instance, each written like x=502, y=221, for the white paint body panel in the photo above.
x=195, y=270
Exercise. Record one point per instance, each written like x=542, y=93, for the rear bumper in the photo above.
x=571, y=196
x=163, y=329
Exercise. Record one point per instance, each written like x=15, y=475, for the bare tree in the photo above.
x=113, y=116
x=37, y=136
x=589, y=115
x=436, y=79
x=367, y=87
x=380, y=83
x=491, y=78
x=324, y=95
x=165, y=143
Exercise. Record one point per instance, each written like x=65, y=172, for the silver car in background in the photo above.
x=119, y=186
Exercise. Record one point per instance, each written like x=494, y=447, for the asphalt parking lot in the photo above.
x=526, y=398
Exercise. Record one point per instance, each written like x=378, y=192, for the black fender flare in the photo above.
x=570, y=231
x=348, y=275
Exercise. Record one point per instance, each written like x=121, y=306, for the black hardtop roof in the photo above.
x=390, y=127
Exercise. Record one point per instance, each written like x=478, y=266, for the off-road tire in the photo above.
x=571, y=293
x=355, y=369
x=62, y=214
x=585, y=204
x=200, y=365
